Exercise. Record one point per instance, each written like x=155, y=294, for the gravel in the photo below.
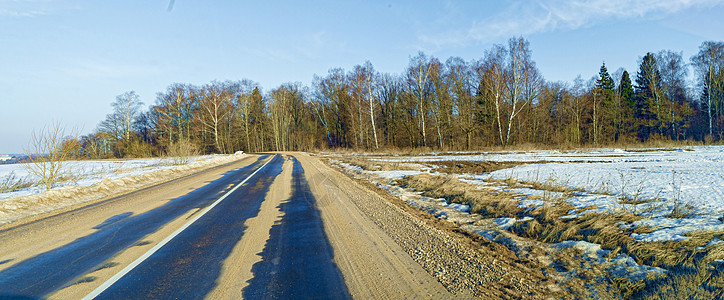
x=467, y=265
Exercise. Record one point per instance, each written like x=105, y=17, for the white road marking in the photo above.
x=150, y=252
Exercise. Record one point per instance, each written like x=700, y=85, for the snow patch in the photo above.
x=621, y=265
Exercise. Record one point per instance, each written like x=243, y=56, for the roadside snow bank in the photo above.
x=100, y=179
x=89, y=172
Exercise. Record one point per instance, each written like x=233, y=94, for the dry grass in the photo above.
x=484, y=202
x=379, y=165
x=472, y=167
x=689, y=266
x=703, y=283
x=12, y=183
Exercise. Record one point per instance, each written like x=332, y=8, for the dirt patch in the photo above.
x=472, y=167
x=379, y=165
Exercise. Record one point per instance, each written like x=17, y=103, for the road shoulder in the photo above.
x=373, y=265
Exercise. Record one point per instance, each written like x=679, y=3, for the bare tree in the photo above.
x=673, y=75
x=576, y=108
x=370, y=78
x=708, y=63
x=244, y=101
x=459, y=80
x=358, y=83
x=174, y=109
x=49, y=149
x=418, y=79
x=331, y=97
x=287, y=112
x=440, y=102
x=523, y=74
x=214, y=102
x=127, y=106
x=389, y=92
x=494, y=82
x=119, y=123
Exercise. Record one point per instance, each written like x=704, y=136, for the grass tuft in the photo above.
x=12, y=183
x=481, y=201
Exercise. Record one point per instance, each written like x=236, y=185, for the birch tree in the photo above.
x=440, y=103
x=709, y=63
x=673, y=76
x=459, y=80
x=418, y=80
x=118, y=124
x=214, y=102
x=494, y=83
x=521, y=70
x=174, y=109
x=370, y=79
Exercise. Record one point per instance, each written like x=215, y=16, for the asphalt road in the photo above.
x=254, y=230
x=42, y=274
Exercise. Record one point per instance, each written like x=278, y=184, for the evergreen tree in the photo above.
x=626, y=89
x=628, y=100
x=604, y=121
x=647, y=88
x=605, y=82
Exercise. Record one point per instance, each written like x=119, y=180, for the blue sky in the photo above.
x=65, y=61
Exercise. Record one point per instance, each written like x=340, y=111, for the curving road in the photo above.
x=268, y=226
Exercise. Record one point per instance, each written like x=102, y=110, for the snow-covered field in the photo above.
x=654, y=182
x=90, y=180
x=86, y=173
x=693, y=176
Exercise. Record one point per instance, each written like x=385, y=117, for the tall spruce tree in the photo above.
x=604, y=109
x=605, y=82
x=628, y=100
x=647, y=89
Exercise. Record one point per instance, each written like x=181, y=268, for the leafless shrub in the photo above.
x=48, y=152
x=181, y=151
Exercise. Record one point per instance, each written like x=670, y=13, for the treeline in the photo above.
x=501, y=99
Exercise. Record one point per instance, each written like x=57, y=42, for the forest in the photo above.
x=501, y=100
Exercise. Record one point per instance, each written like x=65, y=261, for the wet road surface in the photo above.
x=297, y=261
x=187, y=266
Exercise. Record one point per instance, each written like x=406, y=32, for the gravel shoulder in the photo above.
x=373, y=264
x=466, y=265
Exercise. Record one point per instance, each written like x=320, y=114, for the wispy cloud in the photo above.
x=24, y=8
x=525, y=17
x=20, y=14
